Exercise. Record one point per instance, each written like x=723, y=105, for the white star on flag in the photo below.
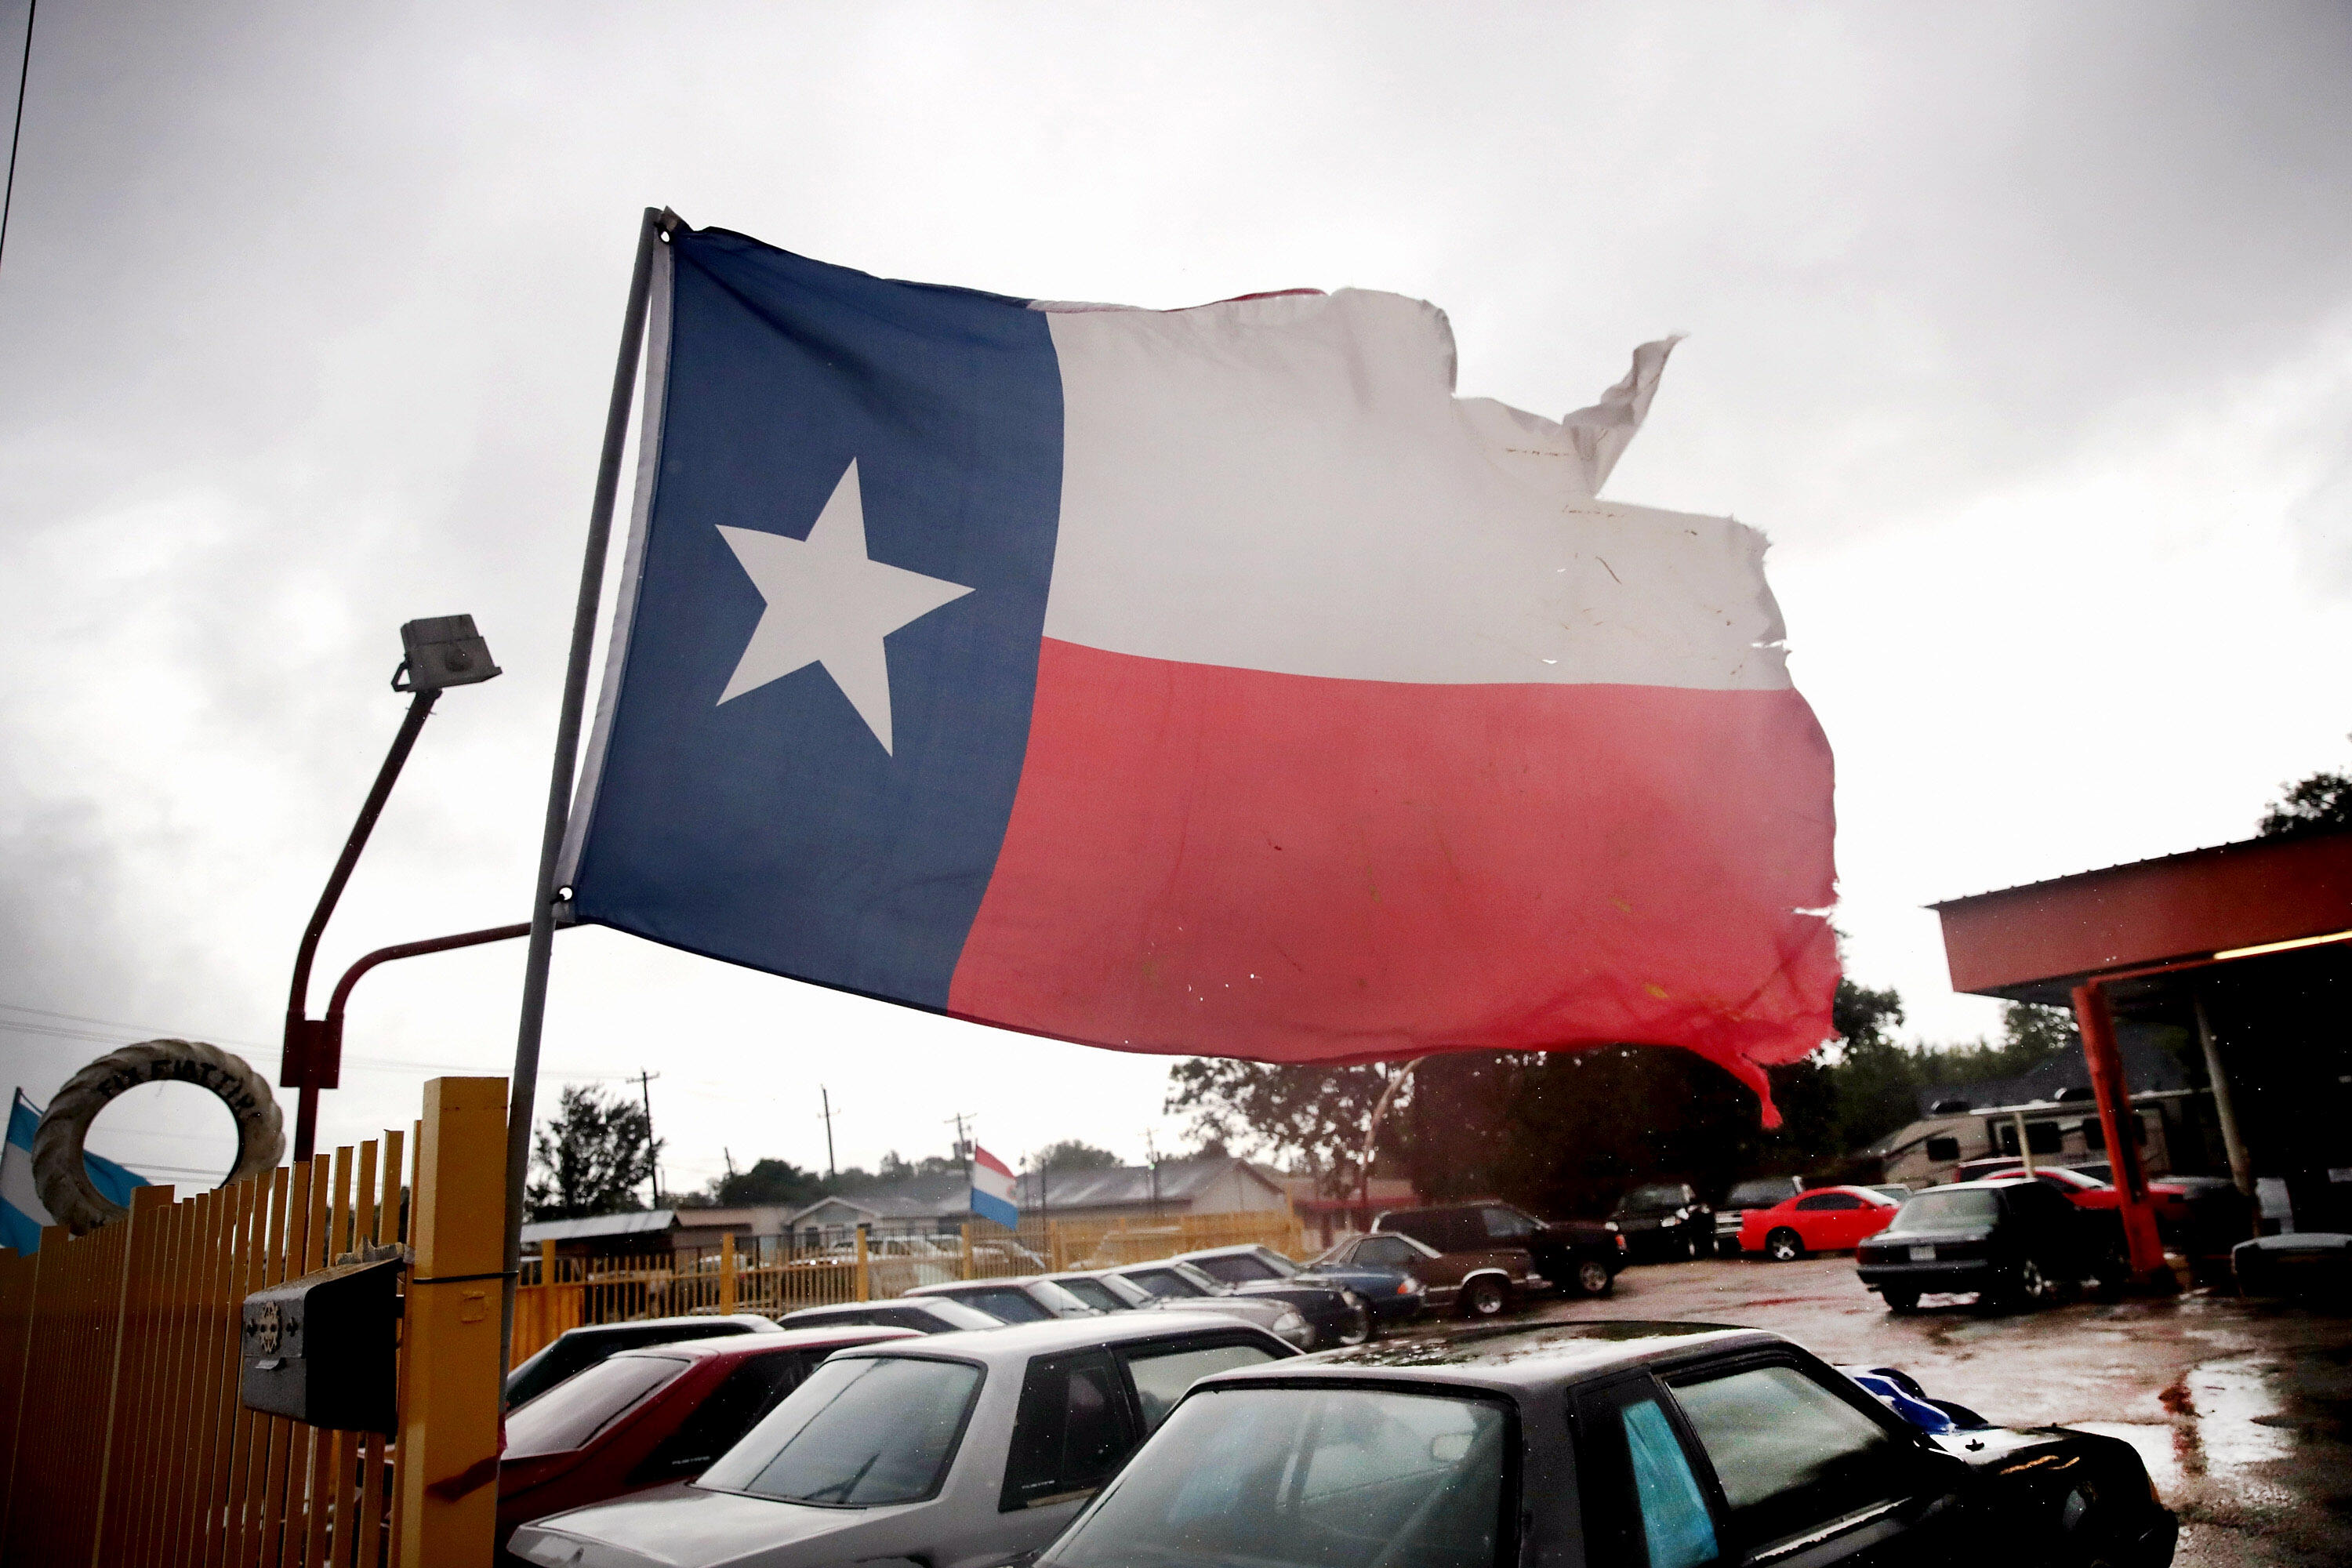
x=830, y=604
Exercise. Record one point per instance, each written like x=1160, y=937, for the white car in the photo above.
x=956, y=1451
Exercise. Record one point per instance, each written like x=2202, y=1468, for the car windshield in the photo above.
x=1097, y=1294
x=1311, y=1477
x=575, y=1410
x=860, y=1431
x=1164, y=1282
x=1943, y=1211
x=1641, y=1200
x=1758, y=1194
x=1006, y=1302
x=1242, y=1268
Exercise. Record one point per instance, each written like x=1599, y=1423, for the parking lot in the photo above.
x=2240, y=1407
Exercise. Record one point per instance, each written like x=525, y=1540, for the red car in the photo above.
x=2087, y=1191
x=1825, y=1219
x=646, y=1417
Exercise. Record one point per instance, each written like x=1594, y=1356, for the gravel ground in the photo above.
x=2242, y=1409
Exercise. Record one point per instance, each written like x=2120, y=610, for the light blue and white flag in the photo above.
x=22, y=1213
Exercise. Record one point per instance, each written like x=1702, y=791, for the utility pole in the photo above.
x=963, y=1139
x=653, y=1170
x=831, y=1175
x=1152, y=1160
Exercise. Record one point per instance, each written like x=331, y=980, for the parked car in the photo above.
x=1481, y=1284
x=1578, y=1255
x=1664, y=1220
x=2015, y=1243
x=973, y=1448
x=1025, y=1300
x=1338, y=1317
x=1757, y=1193
x=643, y=1418
x=1394, y=1295
x=1827, y=1219
x=1612, y=1445
x=924, y=1314
x=576, y=1350
x=2194, y=1215
x=2306, y=1262
x=1109, y=1293
x=1898, y=1190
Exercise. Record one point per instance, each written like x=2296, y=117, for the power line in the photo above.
x=23, y=75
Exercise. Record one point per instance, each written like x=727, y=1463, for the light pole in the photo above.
x=437, y=654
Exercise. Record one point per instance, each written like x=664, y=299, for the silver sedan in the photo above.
x=958, y=1451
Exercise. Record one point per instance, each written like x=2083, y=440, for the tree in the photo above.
x=2323, y=800
x=769, y=1181
x=594, y=1152
x=1073, y=1155
x=1316, y=1114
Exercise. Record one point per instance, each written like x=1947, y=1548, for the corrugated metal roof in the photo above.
x=2262, y=840
x=1120, y=1186
x=642, y=1223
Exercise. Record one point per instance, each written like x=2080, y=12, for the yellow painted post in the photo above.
x=448, y=1495
x=547, y=1260
x=864, y=1269
x=725, y=1272
x=964, y=1237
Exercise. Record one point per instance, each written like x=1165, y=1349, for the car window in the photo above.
x=1162, y=1372
x=1507, y=1224
x=1653, y=1198
x=1072, y=1431
x=1790, y=1454
x=860, y=1431
x=1293, y=1478
x=1387, y=1249
x=1094, y=1294
x=1006, y=1303
x=1943, y=1210
x=1234, y=1268
x=1828, y=1201
x=1758, y=1194
x=572, y=1413
x=1164, y=1282
x=1677, y=1529
x=746, y=1394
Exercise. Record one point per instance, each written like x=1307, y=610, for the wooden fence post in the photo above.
x=963, y=1239
x=865, y=1271
x=448, y=1495
x=725, y=1272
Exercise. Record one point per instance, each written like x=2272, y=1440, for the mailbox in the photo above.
x=321, y=1349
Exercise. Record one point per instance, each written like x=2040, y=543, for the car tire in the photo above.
x=1784, y=1246
x=1484, y=1299
x=1593, y=1278
x=2031, y=1289
x=1901, y=1300
x=1691, y=1249
x=1360, y=1328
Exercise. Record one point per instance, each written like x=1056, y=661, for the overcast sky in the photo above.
x=2025, y=332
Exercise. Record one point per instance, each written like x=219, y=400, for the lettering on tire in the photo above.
x=61, y=1178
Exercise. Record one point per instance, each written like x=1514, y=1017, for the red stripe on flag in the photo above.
x=987, y=1160
x=1230, y=862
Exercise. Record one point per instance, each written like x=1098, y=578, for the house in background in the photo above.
x=1327, y=1220
x=646, y=1234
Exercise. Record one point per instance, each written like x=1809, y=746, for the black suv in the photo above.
x=1573, y=1254
x=1665, y=1219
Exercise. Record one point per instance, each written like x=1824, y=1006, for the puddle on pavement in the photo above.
x=2227, y=1418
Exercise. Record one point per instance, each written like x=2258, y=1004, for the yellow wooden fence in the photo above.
x=122, y=1439
x=766, y=1275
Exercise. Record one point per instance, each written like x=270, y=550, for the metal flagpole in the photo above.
x=519, y=1093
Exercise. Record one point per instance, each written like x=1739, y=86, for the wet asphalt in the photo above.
x=2242, y=1409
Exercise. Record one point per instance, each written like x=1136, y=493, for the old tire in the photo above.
x=1784, y=1246
x=1484, y=1298
x=1593, y=1278
x=59, y=1173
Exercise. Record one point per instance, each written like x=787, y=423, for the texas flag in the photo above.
x=1209, y=681
x=993, y=1190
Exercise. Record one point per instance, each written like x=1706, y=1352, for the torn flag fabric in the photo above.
x=1208, y=682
